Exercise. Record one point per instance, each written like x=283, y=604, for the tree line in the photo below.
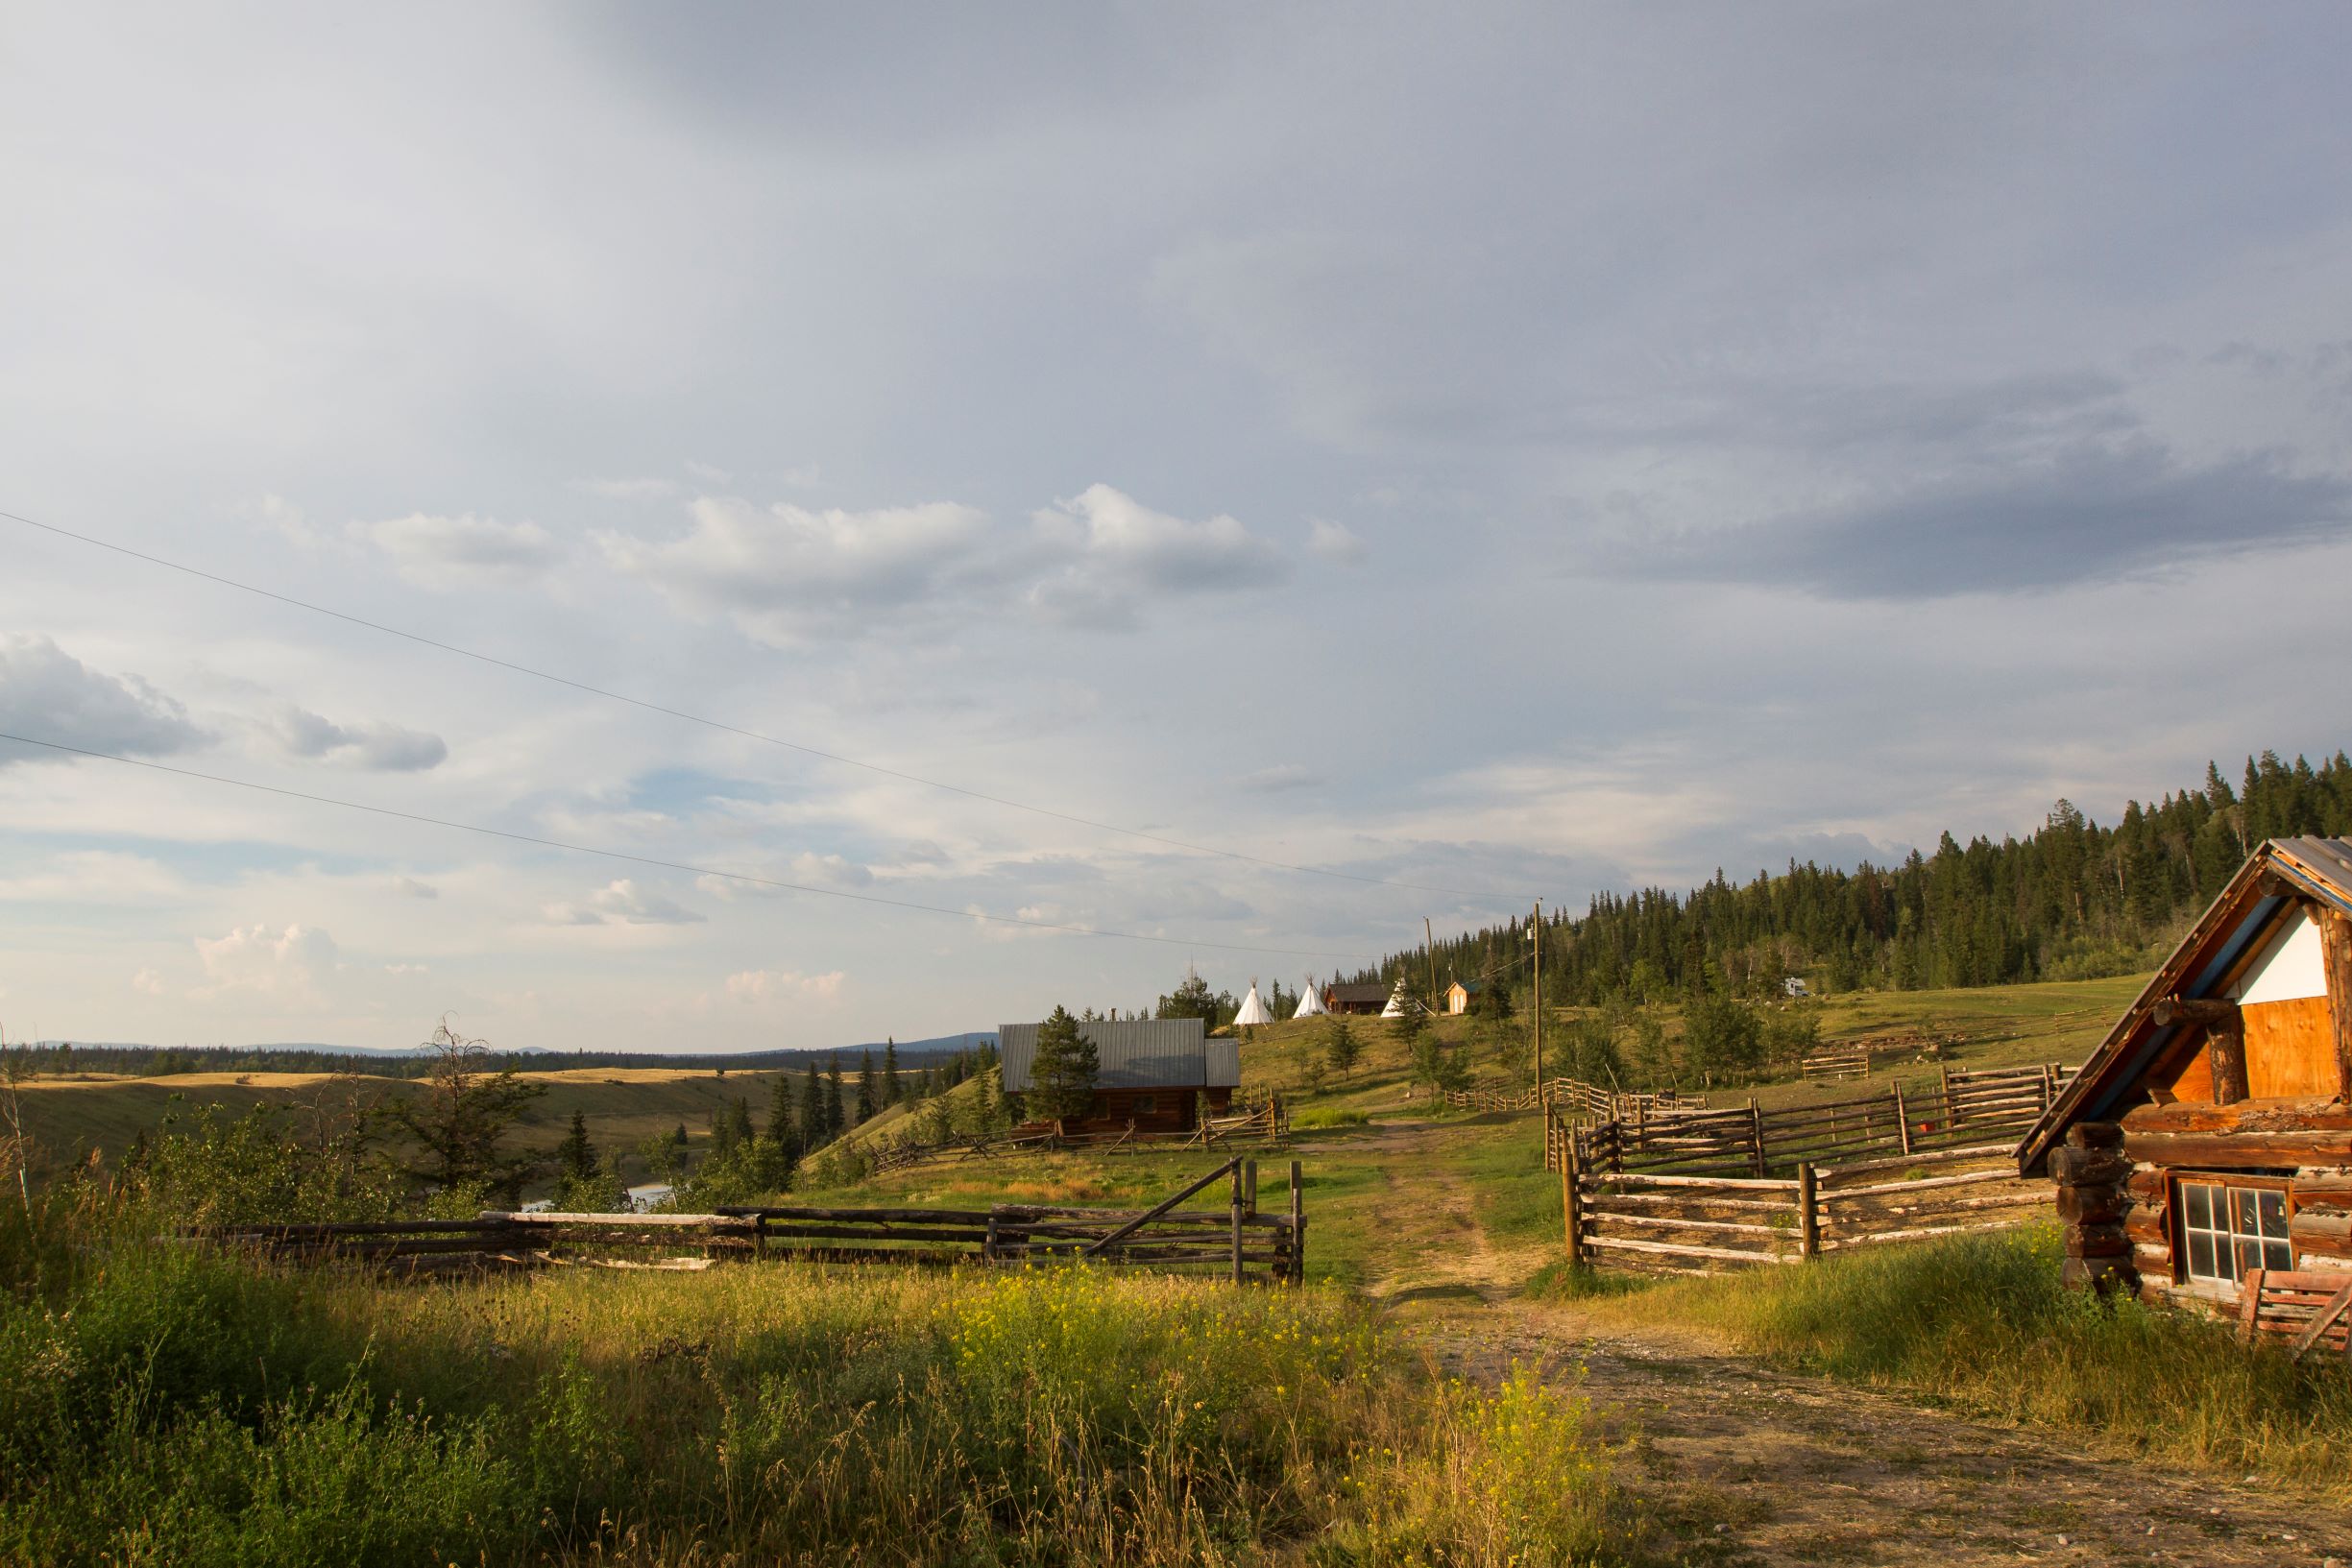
x=2074, y=900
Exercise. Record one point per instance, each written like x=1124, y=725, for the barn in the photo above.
x=2210, y=1135
x=1355, y=998
x=1151, y=1072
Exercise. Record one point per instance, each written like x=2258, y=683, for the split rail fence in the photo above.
x=1238, y=1242
x=1576, y=1098
x=1709, y=1189
x=1268, y=1125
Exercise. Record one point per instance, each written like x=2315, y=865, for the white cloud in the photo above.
x=628, y=490
x=758, y=987
x=47, y=693
x=622, y=903
x=385, y=747
x=1120, y=553
x=284, y=965
x=148, y=982
x=283, y=517
x=463, y=551
x=96, y=877
x=784, y=572
x=710, y=474
x=410, y=887
x=1335, y=543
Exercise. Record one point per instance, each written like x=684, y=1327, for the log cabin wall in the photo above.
x=2300, y=1144
x=2093, y=1175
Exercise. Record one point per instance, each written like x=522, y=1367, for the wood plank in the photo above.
x=1745, y=1184
x=1678, y=1222
x=2236, y=1150
x=1619, y=1244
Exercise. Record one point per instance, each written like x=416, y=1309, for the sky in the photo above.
x=1474, y=454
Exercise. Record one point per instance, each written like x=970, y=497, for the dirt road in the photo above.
x=1768, y=1469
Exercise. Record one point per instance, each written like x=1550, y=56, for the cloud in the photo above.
x=410, y=887
x=47, y=693
x=622, y=904
x=758, y=987
x=1284, y=776
x=2089, y=516
x=1118, y=553
x=283, y=965
x=97, y=877
x=383, y=747
x=1335, y=543
x=149, y=982
x=785, y=572
x=709, y=473
x=628, y=490
x=463, y=552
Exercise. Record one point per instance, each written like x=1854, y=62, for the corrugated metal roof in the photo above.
x=1360, y=993
x=1134, y=1053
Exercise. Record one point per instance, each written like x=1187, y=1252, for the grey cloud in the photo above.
x=381, y=747
x=47, y=693
x=1281, y=776
x=2094, y=514
x=463, y=551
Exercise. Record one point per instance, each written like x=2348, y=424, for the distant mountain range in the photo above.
x=944, y=1045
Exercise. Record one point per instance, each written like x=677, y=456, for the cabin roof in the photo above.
x=1360, y=993
x=1134, y=1053
x=2276, y=877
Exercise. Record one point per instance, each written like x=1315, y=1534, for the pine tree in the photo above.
x=812, y=1110
x=779, y=1106
x=739, y=1122
x=1063, y=1068
x=835, y=1120
x=865, y=1089
x=890, y=1089
x=576, y=1155
x=1342, y=1048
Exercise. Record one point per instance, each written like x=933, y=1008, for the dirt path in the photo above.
x=1784, y=1469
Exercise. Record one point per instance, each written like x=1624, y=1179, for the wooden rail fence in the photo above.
x=1707, y=1190
x=1267, y=1124
x=1238, y=1240
x=1575, y=1098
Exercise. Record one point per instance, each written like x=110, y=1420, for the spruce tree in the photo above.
x=865, y=1090
x=890, y=1090
x=779, y=1106
x=1343, y=1048
x=1063, y=1072
x=812, y=1110
x=576, y=1155
x=836, y=1120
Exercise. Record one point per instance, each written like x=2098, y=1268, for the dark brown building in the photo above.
x=1150, y=1072
x=1355, y=998
x=2211, y=1134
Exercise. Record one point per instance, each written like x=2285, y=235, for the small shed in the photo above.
x=1355, y=998
x=1459, y=993
x=2211, y=1134
x=1150, y=1072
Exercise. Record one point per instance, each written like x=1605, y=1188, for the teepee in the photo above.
x=1310, y=1001
x=1397, y=1001
x=1253, y=1008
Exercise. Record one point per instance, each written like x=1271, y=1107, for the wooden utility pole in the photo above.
x=1429, y=951
x=1534, y=934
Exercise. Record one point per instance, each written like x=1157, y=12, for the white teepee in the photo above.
x=1396, y=1003
x=1253, y=1008
x=1310, y=1001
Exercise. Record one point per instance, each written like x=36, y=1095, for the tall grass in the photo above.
x=1984, y=1322
x=173, y=1405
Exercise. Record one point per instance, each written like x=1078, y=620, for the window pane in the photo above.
x=2273, y=1212
x=2277, y=1255
x=2200, y=1255
x=2199, y=1201
x=2241, y=1211
x=2249, y=1257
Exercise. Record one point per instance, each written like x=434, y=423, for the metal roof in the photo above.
x=1134, y=1053
x=1361, y=993
x=2275, y=877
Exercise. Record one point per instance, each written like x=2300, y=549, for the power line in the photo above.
x=667, y=865
x=733, y=729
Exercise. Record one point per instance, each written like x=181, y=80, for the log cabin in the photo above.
x=1149, y=1073
x=2210, y=1135
x=1356, y=998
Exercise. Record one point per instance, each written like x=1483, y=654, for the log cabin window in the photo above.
x=1146, y=1104
x=2229, y=1229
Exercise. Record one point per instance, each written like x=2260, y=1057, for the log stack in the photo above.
x=2094, y=1198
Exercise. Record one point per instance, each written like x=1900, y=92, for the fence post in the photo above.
x=987, y=1242
x=1755, y=1133
x=1298, y=1232
x=1942, y=1071
x=759, y=1235
x=1903, y=1119
x=1249, y=1187
x=1808, y=1211
x=1237, y=1221
x=1570, y=1205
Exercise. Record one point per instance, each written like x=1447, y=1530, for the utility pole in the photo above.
x=1534, y=934
x=1429, y=951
